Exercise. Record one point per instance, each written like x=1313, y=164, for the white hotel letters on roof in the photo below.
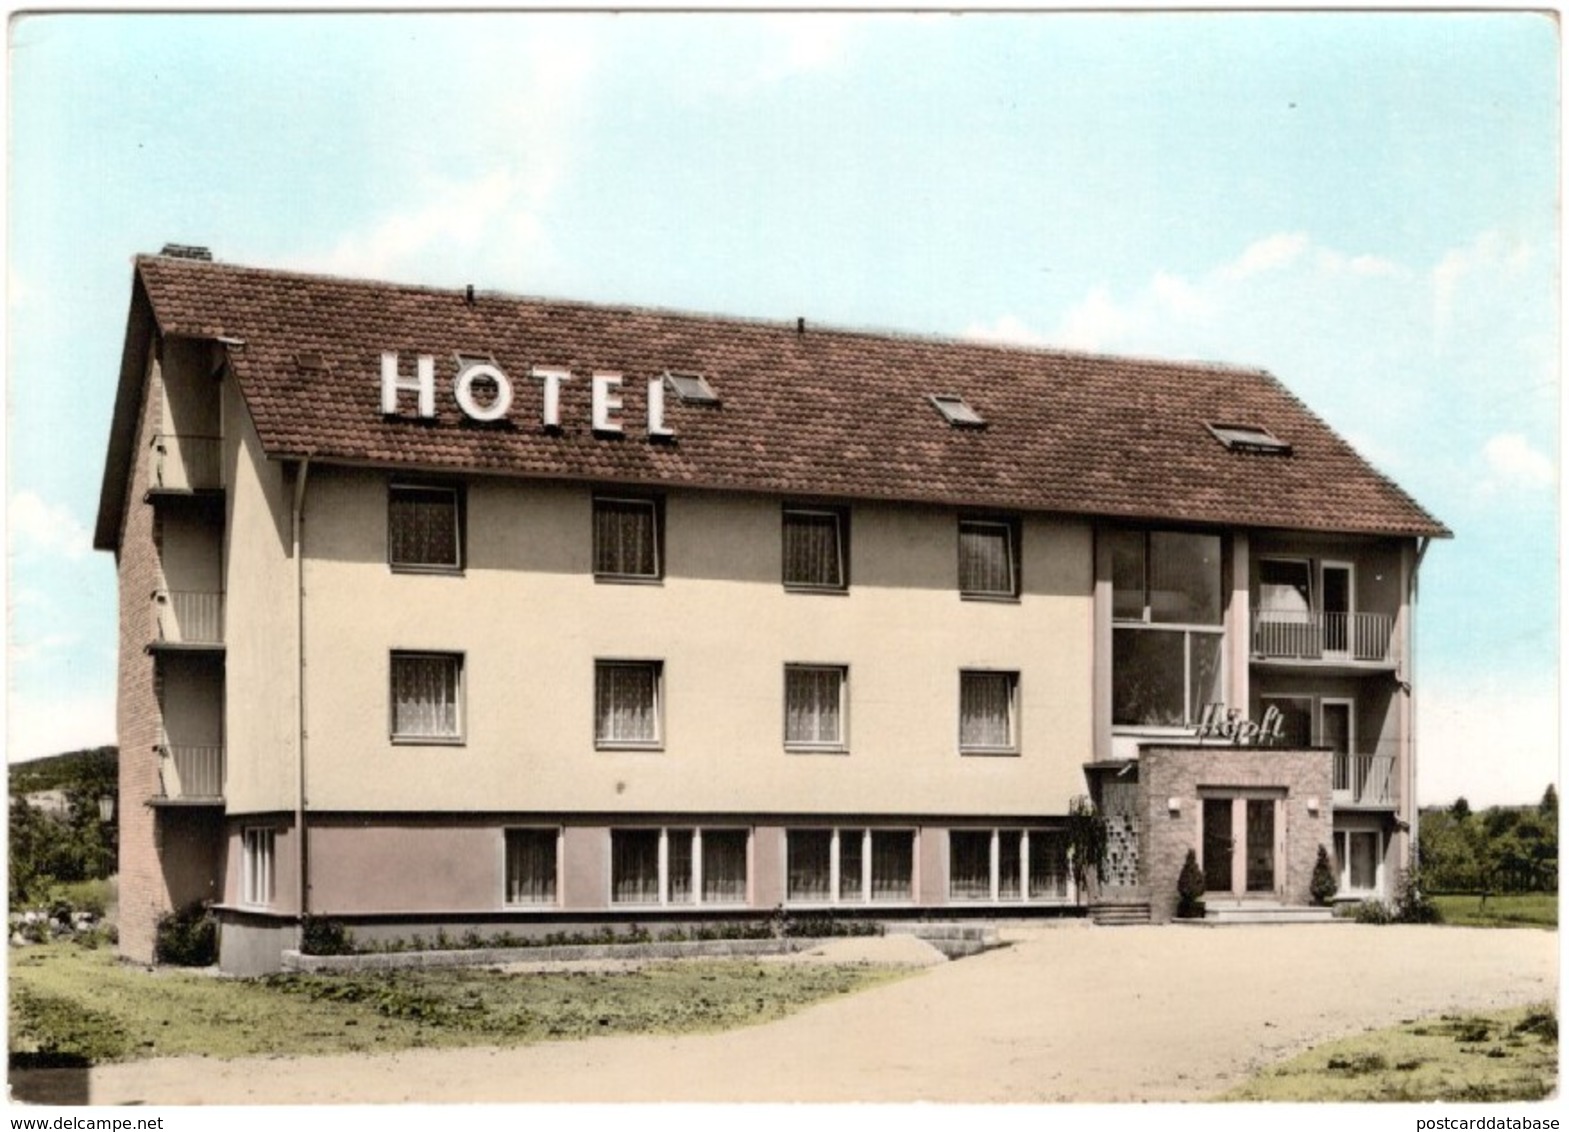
x=480, y=404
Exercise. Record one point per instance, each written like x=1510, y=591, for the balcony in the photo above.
x=185, y=464
x=1366, y=781
x=191, y=774
x=190, y=618
x=1353, y=639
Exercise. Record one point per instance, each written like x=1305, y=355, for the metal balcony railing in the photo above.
x=192, y=773
x=1365, y=780
x=190, y=617
x=1363, y=637
x=187, y=463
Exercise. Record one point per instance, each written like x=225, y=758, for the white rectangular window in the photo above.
x=1007, y=865
x=626, y=539
x=424, y=527
x=427, y=691
x=257, y=865
x=988, y=709
x=531, y=868
x=815, y=549
x=672, y=867
x=849, y=866
x=987, y=559
x=627, y=703
x=814, y=707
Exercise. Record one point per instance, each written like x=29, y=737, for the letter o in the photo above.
x=463, y=390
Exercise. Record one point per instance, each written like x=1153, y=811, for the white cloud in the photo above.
x=446, y=228
x=1095, y=322
x=1513, y=464
x=1491, y=738
x=1477, y=264
x=46, y=527
x=54, y=724
x=23, y=651
x=1008, y=329
x=801, y=42
x=1268, y=254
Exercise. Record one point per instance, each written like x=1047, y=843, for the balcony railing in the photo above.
x=190, y=617
x=1362, y=637
x=192, y=773
x=1365, y=780
x=187, y=463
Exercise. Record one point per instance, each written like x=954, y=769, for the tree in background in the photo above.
x=1500, y=849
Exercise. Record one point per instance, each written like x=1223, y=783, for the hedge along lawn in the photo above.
x=71, y=1006
x=1509, y=1055
x=1510, y=910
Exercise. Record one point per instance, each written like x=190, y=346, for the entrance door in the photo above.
x=1261, y=844
x=1218, y=844
x=1245, y=822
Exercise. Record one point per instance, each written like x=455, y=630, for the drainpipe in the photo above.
x=302, y=856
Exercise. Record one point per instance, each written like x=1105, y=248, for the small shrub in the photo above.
x=1541, y=1021
x=1373, y=912
x=1190, y=888
x=1323, y=885
x=1412, y=904
x=187, y=938
x=320, y=935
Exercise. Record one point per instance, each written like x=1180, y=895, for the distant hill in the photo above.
x=98, y=767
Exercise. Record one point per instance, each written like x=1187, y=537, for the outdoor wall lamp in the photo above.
x=1174, y=805
x=1313, y=805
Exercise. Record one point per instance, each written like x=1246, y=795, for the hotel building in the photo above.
x=455, y=610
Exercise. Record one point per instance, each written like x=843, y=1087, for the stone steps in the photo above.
x=1220, y=913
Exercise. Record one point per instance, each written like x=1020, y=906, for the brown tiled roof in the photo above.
x=827, y=412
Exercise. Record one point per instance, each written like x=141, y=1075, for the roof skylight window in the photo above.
x=1249, y=438
x=957, y=412
x=692, y=388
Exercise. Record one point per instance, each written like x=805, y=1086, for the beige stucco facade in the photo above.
x=530, y=620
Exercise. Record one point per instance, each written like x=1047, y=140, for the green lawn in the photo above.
x=70, y=1006
x=1514, y=910
x=1507, y=1055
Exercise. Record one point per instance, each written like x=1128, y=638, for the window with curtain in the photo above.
x=987, y=555
x=678, y=867
x=626, y=703
x=893, y=864
x=426, y=696
x=1048, y=855
x=531, y=866
x=808, y=864
x=257, y=866
x=814, y=706
x=634, y=866
x=1010, y=864
x=724, y=866
x=814, y=549
x=970, y=864
x=852, y=874
x=988, y=702
x=1166, y=640
x=626, y=538
x=424, y=526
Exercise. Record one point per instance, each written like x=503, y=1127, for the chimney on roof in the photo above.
x=800, y=327
x=468, y=295
x=187, y=251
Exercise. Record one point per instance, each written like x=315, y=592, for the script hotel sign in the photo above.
x=1230, y=725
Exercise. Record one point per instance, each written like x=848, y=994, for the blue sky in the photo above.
x=1364, y=204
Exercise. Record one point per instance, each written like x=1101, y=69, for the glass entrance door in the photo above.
x=1261, y=844
x=1218, y=843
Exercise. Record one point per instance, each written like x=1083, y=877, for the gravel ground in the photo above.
x=1065, y=1013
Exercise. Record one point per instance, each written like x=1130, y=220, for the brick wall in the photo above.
x=1187, y=773
x=143, y=895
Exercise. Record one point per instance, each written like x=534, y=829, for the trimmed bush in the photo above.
x=187, y=938
x=1323, y=885
x=1190, y=888
x=322, y=936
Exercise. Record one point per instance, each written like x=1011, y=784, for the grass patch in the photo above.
x=1510, y=910
x=1509, y=1055
x=72, y=1006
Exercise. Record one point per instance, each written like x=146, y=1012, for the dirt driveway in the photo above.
x=1067, y=1013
